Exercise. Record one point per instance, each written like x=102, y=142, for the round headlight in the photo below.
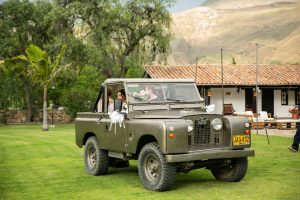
x=190, y=127
x=247, y=125
x=171, y=128
x=217, y=124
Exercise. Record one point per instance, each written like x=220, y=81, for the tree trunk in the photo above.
x=45, y=111
x=28, y=99
x=109, y=72
x=127, y=51
x=123, y=67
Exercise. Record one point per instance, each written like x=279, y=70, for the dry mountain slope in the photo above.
x=201, y=32
x=234, y=4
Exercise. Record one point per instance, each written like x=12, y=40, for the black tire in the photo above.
x=118, y=163
x=233, y=172
x=95, y=158
x=155, y=173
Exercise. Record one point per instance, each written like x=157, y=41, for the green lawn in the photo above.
x=48, y=165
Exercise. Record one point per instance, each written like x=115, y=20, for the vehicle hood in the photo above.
x=167, y=114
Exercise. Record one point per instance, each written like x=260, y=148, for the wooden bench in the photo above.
x=279, y=124
x=287, y=123
x=257, y=125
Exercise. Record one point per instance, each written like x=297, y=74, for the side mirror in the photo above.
x=118, y=105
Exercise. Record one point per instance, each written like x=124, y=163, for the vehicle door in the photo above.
x=113, y=133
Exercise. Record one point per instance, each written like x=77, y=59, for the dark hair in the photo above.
x=122, y=91
x=109, y=92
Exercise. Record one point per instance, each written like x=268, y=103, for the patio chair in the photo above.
x=256, y=122
x=268, y=121
x=265, y=115
x=228, y=109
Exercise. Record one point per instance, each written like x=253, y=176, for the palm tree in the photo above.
x=43, y=70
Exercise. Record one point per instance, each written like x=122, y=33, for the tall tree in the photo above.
x=43, y=70
x=21, y=80
x=10, y=95
x=116, y=37
x=119, y=30
x=142, y=29
x=22, y=23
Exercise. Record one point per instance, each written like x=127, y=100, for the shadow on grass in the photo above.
x=195, y=178
x=127, y=170
x=200, y=177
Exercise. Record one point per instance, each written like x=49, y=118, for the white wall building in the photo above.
x=279, y=85
x=237, y=98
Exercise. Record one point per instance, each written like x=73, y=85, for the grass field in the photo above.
x=48, y=165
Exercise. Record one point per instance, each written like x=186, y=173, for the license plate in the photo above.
x=241, y=139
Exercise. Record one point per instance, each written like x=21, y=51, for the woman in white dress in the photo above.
x=110, y=101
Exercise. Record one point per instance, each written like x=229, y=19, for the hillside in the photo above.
x=236, y=27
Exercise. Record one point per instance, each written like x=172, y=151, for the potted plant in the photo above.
x=295, y=112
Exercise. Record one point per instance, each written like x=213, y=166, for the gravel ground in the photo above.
x=277, y=132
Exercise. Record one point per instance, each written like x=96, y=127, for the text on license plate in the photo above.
x=240, y=139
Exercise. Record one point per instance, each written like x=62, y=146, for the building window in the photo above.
x=284, y=97
x=297, y=97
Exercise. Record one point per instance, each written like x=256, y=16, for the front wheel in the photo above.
x=95, y=158
x=155, y=173
x=233, y=172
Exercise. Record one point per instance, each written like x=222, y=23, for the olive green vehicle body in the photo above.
x=154, y=122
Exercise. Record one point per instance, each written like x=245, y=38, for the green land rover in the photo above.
x=164, y=124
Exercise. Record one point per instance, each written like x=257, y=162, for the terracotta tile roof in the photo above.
x=233, y=74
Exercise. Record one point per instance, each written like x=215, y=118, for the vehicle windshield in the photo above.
x=162, y=92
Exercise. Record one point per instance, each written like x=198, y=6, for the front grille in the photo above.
x=217, y=139
x=190, y=140
x=202, y=134
x=202, y=131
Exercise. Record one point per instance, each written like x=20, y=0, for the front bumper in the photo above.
x=209, y=154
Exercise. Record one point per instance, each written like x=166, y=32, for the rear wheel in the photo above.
x=233, y=172
x=95, y=158
x=155, y=173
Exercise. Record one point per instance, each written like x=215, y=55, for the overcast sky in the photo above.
x=181, y=5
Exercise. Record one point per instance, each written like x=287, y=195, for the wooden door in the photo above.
x=250, y=100
x=267, y=100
